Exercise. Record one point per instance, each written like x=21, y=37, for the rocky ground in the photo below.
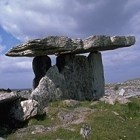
x=115, y=116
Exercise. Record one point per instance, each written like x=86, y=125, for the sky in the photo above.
x=23, y=20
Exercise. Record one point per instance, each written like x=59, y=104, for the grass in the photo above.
x=108, y=122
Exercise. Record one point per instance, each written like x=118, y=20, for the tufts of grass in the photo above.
x=108, y=122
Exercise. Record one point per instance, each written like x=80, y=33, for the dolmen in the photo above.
x=74, y=76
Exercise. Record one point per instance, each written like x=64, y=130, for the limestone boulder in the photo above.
x=49, y=88
x=24, y=110
x=63, y=45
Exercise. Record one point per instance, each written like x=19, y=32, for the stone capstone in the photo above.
x=62, y=45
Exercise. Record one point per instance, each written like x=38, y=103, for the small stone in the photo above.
x=121, y=93
x=122, y=100
x=85, y=131
x=71, y=103
x=67, y=117
x=109, y=99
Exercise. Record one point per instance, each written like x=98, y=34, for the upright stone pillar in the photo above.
x=75, y=69
x=40, y=65
x=96, y=74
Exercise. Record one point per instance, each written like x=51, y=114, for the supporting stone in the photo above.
x=97, y=74
x=60, y=62
x=40, y=66
x=84, y=76
x=75, y=69
x=79, y=77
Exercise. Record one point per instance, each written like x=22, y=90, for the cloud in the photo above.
x=17, y=72
x=124, y=56
x=1, y=46
x=14, y=65
x=34, y=19
x=74, y=18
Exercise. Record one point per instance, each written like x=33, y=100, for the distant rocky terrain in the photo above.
x=131, y=88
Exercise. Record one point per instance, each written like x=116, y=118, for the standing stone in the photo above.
x=97, y=74
x=84, y=76
x=50, y=88
x=41, y=64
x=75, y=69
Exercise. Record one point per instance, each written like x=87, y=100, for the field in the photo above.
x=64, y=121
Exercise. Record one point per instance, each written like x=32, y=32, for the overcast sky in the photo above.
x=21, y=20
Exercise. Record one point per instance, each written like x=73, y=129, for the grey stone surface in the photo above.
x=76, y=74
x=96, y=75
x=14, y=95
x=83, y=75
x=23, y=94
x=85, y=131
x=7, y=97
x=63, y=45
x=131, y=87
x=71, y=103
x=24, y=110
x=2, y=138
x=49, y=88
x=75, y=77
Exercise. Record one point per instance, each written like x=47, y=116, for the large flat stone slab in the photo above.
x=62, y=45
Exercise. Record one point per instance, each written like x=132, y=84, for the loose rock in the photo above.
x=49, y=88
x=24, y=110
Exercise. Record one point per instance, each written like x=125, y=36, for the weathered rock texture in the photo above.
x=4, y=97
x=84, y=76
x=24, y=110
x=96, y=74
x=62, y=45
x=75, y=77
x=75, y=69
x=49, y=88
